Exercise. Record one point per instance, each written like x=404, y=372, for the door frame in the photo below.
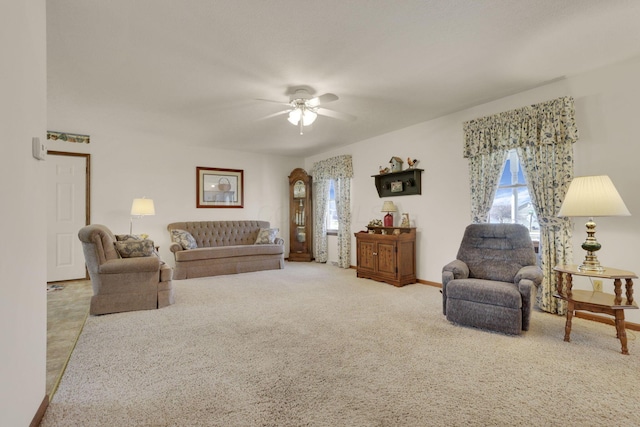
x=87, y=195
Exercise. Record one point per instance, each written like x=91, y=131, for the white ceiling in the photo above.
x=192, y=70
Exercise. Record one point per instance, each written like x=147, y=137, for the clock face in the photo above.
x=299, y=190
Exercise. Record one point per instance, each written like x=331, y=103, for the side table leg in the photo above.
x=620, y=329
x=629, y=286
x=617, y=289
x=567, y=326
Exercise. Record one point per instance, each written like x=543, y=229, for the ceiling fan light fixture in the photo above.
x=294, y=116
x=307, y=116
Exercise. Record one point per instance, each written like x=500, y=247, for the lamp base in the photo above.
x=388, y=220
x=591, y=245
x=589, y=267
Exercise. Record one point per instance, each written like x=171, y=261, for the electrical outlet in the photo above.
x=597, y=285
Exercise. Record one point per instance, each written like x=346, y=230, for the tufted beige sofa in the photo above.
x=224, y=247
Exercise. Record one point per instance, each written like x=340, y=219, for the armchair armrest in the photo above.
x=528, y=277
x=175, y=247
x=457, y=268
x=529, y=272
x=130, y=265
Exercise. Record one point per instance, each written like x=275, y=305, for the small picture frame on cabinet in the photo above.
x=396, y=187
x=404, y=222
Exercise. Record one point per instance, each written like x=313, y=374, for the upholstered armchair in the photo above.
x=139, y=281
x=490, y=284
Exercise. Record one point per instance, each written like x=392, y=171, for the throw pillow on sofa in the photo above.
x=267, y=236
x=184, y=238
x=135, y=248
x=125, y=237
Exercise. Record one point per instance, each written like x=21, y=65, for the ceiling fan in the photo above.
x=304, y=108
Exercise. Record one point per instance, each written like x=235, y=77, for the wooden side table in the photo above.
x=597, y=302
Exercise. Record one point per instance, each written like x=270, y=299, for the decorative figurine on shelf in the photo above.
x=375, y=223
x=412, y=163
x=396, y=164
x=384, y=170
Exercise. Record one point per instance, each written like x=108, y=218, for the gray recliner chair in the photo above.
x=490, y=284
x=123, y=284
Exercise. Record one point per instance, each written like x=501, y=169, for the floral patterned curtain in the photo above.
x=320, y=199
x=484, y=175
x=340, y=169
x=544, y=135
x=343, y=206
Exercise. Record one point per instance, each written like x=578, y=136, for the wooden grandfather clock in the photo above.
x=300, y=216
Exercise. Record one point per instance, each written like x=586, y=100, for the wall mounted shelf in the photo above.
x=404, y=183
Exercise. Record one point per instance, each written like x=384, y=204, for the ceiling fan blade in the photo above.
x=336, y=114
x=323, y=99
x=275, y=102
x=279, y=113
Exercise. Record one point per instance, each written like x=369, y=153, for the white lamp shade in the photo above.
x=389, y=207
x=142, y=207
x=591, y=196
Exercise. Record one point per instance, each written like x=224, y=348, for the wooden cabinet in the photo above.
x=300, y=216
x=387, y=254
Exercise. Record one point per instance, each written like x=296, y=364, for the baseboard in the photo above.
x=434, y=284
x=37, y=418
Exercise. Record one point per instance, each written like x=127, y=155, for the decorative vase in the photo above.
x=388, y=220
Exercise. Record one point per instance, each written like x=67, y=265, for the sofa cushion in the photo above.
x=184, y=238
x=135, y=248
x=266, y=236
x=228, y=252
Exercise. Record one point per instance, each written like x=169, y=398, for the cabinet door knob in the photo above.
x=375, y=253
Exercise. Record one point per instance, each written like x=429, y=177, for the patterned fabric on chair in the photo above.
x=490, y=284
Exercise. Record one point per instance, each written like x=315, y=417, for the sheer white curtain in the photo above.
x=339, y=169
x=544, y=135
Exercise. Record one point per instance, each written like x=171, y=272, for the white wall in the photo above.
x=607, y=109
x=23, y=305
x=126, y=165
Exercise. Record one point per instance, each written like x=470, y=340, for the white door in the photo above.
x=66, y=214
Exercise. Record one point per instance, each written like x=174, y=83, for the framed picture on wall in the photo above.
x=219, y=188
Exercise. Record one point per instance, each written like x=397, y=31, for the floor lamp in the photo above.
x=139, y=208
x=590, y=196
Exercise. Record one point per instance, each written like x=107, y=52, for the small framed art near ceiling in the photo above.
x=219, y=188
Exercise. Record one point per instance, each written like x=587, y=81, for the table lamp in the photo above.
x=139, y=208
x=388, y=207
x=591, y=196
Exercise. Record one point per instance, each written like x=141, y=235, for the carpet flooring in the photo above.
x=312, y=345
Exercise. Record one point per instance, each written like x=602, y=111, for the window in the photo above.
x=332, y=213
x=512, y=203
